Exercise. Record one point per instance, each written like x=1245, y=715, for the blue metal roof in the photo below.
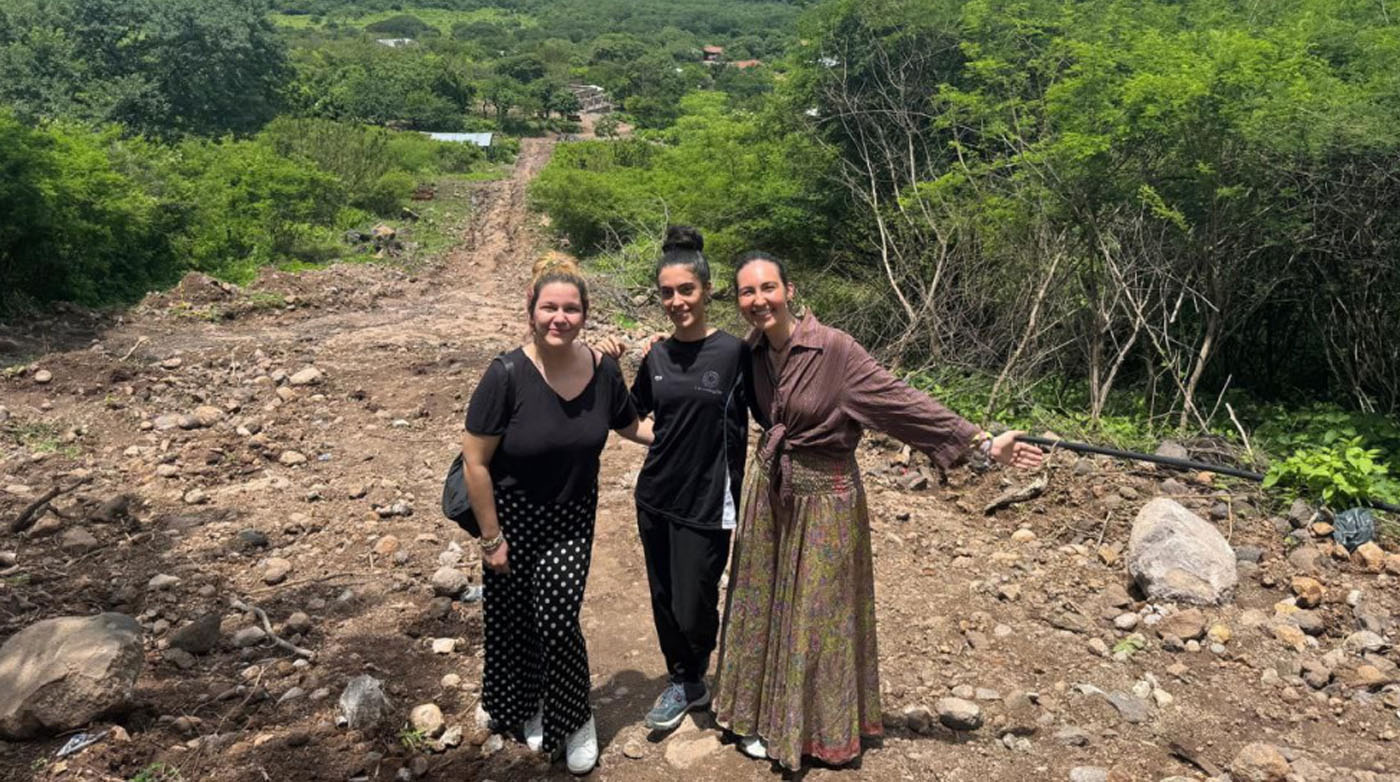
x=479, y=139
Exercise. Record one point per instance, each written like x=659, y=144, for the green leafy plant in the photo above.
x=1130, y=645
x=1343, y=472
x=412, y=739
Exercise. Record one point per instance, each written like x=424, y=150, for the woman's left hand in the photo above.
x=1008, y=451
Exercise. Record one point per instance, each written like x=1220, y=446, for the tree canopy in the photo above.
x=158, y=66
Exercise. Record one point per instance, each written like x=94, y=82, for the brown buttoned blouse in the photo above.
x=830, y=389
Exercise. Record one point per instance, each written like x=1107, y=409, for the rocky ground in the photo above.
x=252, y=476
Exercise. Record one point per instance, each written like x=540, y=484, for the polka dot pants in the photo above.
x=534, y=646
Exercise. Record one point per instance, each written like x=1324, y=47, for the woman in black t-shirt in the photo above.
x=694, y=385
x=536, y=425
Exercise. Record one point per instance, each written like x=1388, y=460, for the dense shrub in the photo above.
x=75, y=227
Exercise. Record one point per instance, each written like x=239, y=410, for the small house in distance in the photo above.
x=395, y=43
x=592, y=99
x=478, y=139
x=712, y=54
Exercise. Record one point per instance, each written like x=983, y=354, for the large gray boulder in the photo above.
x=1175, y=555
x=60, y=674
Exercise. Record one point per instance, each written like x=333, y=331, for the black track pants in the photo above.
x=684, y=565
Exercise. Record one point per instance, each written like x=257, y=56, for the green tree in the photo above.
x=157, y=66
x=402, y=26
x=248, y=207
x=77, y=228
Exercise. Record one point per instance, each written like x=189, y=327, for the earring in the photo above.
x=797, y=306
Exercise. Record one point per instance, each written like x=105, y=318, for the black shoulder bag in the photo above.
x=455, y=504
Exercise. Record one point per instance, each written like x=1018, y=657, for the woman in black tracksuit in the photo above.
x=696, y=386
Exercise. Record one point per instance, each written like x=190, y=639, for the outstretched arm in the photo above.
x=879, y=400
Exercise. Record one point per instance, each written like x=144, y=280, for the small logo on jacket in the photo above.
x=710, y=380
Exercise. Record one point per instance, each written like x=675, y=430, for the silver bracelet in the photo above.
x=980, y=452
x=489, y=546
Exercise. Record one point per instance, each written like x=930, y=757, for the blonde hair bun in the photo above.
x=555, y=263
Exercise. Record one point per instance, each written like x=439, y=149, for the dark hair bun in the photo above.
x=682, y=237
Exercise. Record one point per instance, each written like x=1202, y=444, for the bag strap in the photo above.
x=509, y=366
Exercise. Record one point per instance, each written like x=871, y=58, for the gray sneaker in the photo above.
x=671, y=706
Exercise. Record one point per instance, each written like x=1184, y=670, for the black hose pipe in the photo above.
x=1184, y=464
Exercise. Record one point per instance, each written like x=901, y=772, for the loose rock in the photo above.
x=276, y=570
x=363, y=704
x=298, y=623
x=252, y=538
x=427, y=719
x=1259, y=762
x=1308, y=591
x=198, y=637
x=1131, y=708
x=208, y=415
x=386, y=546
x=689, y=754
x=1363, y=641
x=306, y=376
x=449, y=581
x=59, y=674
x=1188, y=625
x=162, y=581
x=958, y=714
x=76, y=541
x=1369, y=557
x=452, y=737
x=1175, y=555
x=249, y=636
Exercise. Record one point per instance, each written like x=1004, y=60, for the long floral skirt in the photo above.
x=798, y=662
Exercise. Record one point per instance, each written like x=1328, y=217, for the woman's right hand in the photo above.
x=499, y=559
x=611, y=346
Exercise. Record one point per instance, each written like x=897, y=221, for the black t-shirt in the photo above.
x=698, y=393
x=549, y=446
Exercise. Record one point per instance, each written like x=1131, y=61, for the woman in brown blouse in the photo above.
x=798, y=670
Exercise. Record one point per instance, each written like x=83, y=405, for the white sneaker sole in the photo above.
x=754, y=747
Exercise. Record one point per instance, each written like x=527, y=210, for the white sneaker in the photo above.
x=534, y=730
x=581, y=748
x=754, y=747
